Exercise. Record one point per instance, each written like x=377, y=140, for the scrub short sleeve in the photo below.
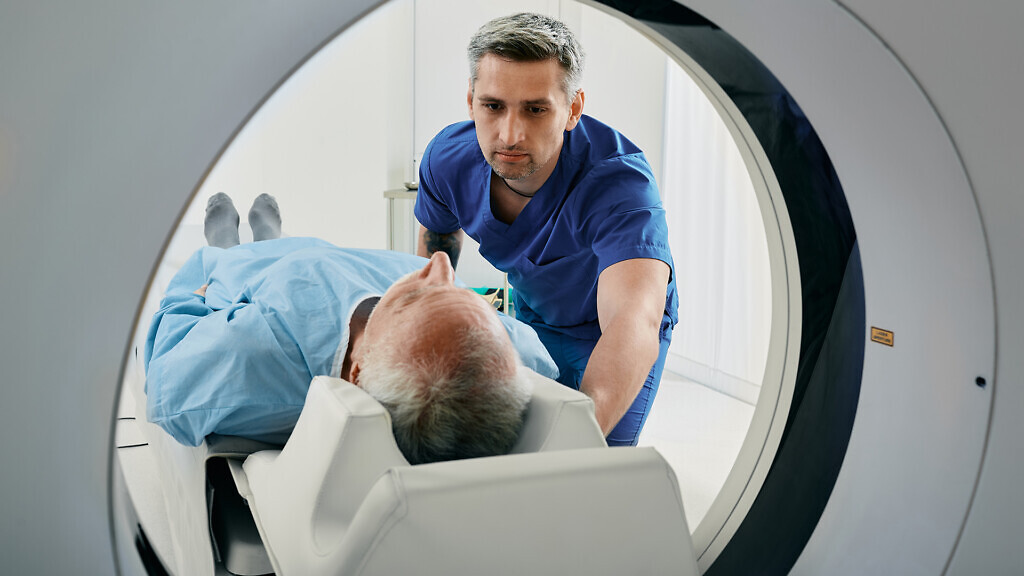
x=627, y=221
x=432, y=208
x=635, y=234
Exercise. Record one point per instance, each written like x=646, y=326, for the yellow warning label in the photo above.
x=881, y=336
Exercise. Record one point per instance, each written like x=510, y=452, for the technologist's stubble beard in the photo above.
x=508, y=176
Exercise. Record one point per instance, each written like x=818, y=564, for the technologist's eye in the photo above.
x=492, y=106
x=537, y=110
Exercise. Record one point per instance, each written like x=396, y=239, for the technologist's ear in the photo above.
x=575, y=110
x=469, y=99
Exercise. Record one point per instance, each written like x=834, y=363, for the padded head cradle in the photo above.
x=557, y=418
x=597, y=511
x=305, y=497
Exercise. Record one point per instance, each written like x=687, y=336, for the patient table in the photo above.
x=340, y=499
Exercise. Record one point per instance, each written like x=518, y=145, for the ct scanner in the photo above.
x=898, y=459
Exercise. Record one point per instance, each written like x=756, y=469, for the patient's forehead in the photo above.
x=432, y=333
x=423, y=321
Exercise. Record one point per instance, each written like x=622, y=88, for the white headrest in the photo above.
x=341, y=444
x=557, y=418
x=304, y=496
x=595, y=512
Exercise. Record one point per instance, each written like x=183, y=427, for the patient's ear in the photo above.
x=353, y=374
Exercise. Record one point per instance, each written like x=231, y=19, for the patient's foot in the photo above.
x=265, y=218
x=221, y=223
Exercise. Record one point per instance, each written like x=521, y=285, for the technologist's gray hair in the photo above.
x=445, y=408
x=528, y=37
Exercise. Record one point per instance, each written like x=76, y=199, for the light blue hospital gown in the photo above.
x=276, y=313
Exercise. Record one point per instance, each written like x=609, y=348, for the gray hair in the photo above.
x=528, y=37
x=445, y=408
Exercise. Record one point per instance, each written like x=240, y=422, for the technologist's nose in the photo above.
x=511, y=132
x=439, y=269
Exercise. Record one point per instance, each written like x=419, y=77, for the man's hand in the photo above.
x=630, y=306
x=430, y=242
x=202, y=290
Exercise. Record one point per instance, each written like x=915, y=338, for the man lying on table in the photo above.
x=244, y=328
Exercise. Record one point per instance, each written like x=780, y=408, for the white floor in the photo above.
x=699, y=431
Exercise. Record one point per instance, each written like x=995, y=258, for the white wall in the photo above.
x=344, y=129
x=624, y=80
x=331, y=139
x=719, y=246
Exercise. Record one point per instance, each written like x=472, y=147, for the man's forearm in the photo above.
x=630, y=304
x=430, y=242
x=617, y=369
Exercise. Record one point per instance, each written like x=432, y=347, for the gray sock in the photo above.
x=265, y=218
x=221, y=223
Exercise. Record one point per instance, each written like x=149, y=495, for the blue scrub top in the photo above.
x=600, y=206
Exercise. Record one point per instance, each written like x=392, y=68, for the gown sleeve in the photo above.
x=531, y=351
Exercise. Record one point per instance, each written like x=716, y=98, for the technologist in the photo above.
x=244, y=328
x=565, y=205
